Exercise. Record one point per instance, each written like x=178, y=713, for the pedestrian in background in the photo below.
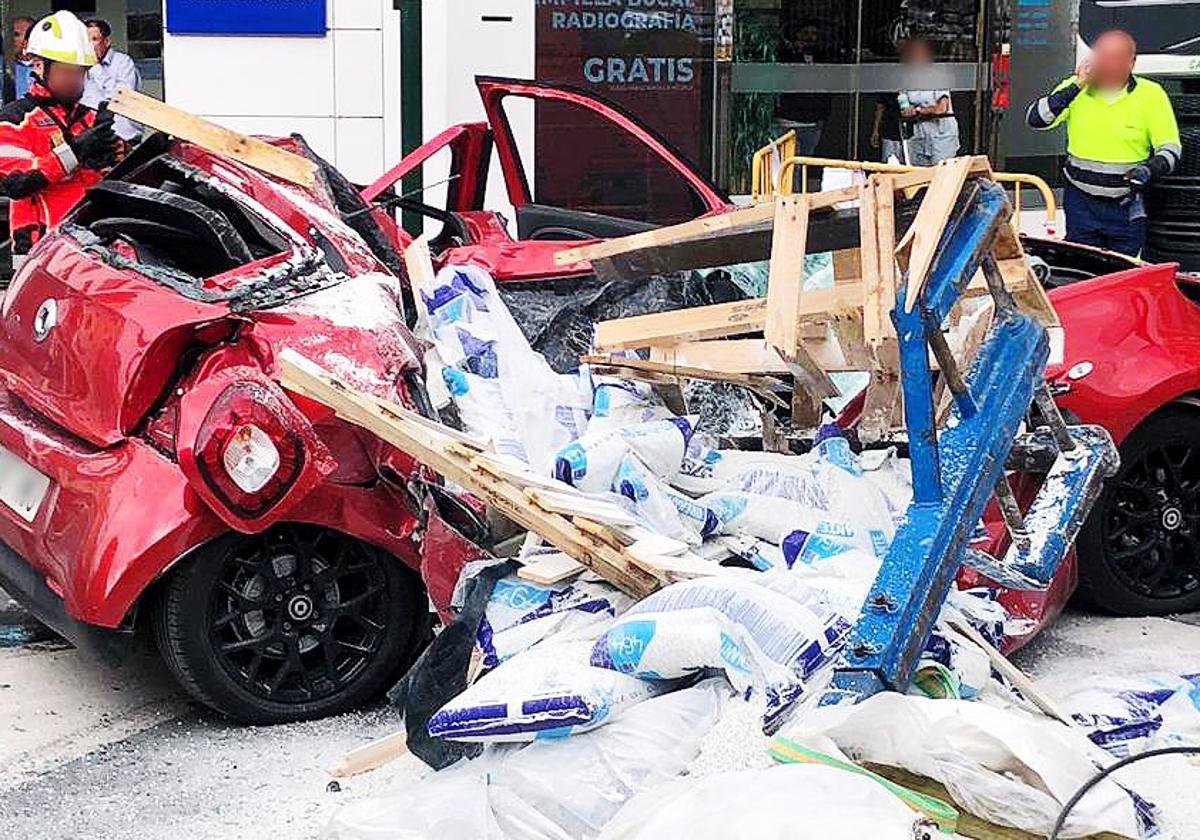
x=928, y=115
x=1121, y=135
x=886, y=131
x=22, y=61
x=112, y=69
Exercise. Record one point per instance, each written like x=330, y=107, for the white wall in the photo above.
x=342, y=92
x=459, y=44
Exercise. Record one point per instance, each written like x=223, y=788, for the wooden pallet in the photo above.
x=810, y=334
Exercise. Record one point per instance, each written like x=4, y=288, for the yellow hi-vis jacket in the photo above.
x=1107, y=136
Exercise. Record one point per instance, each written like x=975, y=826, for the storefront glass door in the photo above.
x=824, y=67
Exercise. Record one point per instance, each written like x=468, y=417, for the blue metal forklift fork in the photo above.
x=955, y=472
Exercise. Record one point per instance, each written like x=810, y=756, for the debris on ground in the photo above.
x=705, y=638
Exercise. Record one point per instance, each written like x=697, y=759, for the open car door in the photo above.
x=618, y=177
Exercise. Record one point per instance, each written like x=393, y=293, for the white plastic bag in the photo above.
x=779, y=803
x=804, y=533
x=651, y=503
x=1003, y=765
x=766, y=631
x=617, y=403
x=591, y=462
x=504, y=390
x=521, y=613
x=548, y=691
x=1130, y=715
x=546, y=790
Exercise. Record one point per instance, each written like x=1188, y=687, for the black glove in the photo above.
x=96, y=147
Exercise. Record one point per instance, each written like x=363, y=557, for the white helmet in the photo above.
x=62, y=37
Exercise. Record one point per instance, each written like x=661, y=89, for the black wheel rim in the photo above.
x=1152, y=523
x=297, y=613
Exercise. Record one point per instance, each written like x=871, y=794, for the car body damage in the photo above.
x=139, y=347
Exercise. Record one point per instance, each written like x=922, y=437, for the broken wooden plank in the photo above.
x=371, y=756
x=717, y=320
x=696, y=228
x=785, y=282
x=968, y=825
x=919, y=245
x=579, y=504
x=1019, y=679
x=847, y=265
x=465, y=467
x=549, y=569
x=215, y=138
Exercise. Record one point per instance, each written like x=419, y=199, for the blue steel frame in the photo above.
x=954, y=473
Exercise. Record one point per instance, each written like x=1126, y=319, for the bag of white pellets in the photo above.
x=521, y=613
x=591, y=462
x=547, y=691
x=766, y=631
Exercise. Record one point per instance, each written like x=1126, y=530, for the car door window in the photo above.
x=584, y=162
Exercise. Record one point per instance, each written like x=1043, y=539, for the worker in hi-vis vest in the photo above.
x=1121, y=135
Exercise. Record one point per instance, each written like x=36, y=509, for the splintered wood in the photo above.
x=216, y=138
x=810, y=333
x=507, y=486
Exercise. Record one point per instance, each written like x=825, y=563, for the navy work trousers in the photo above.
x=1115, y=225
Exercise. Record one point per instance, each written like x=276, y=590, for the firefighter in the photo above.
x=1121, y=135
x=52, y=148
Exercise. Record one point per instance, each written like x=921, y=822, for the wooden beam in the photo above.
x=694, y=229
x=698, y=322
x=715, y=321
x=885, y=294
x=785, y=281
x=919, y=246
x=215, y=138
x=371, y=756
x=465, y=466
x=734, y=355
x=785, y=287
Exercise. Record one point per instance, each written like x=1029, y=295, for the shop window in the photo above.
x=144, y=40
x=585, y=162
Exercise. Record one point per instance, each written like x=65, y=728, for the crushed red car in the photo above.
x=154, y=474
x=153, y=469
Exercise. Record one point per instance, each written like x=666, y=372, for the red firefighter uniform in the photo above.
x=38, y=170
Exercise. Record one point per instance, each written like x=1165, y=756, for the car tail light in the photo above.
x=247, y=449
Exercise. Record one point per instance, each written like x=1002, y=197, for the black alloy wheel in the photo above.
x=295, y=623
x=1140, y=550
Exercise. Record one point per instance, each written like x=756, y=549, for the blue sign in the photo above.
x=246, y=17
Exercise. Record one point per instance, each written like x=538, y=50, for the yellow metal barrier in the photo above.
x=762, y=172
x=783, y=185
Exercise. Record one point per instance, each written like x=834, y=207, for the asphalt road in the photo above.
x=90, y=752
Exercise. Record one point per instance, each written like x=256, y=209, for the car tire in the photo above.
x=1139, y=552
x=292, y=624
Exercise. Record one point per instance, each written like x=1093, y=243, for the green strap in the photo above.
x=941, y=812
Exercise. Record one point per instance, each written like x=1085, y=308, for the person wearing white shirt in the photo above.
x=112, y=68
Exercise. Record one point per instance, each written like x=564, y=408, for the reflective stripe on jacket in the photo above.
x=38, y=170
x=1107, y=136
